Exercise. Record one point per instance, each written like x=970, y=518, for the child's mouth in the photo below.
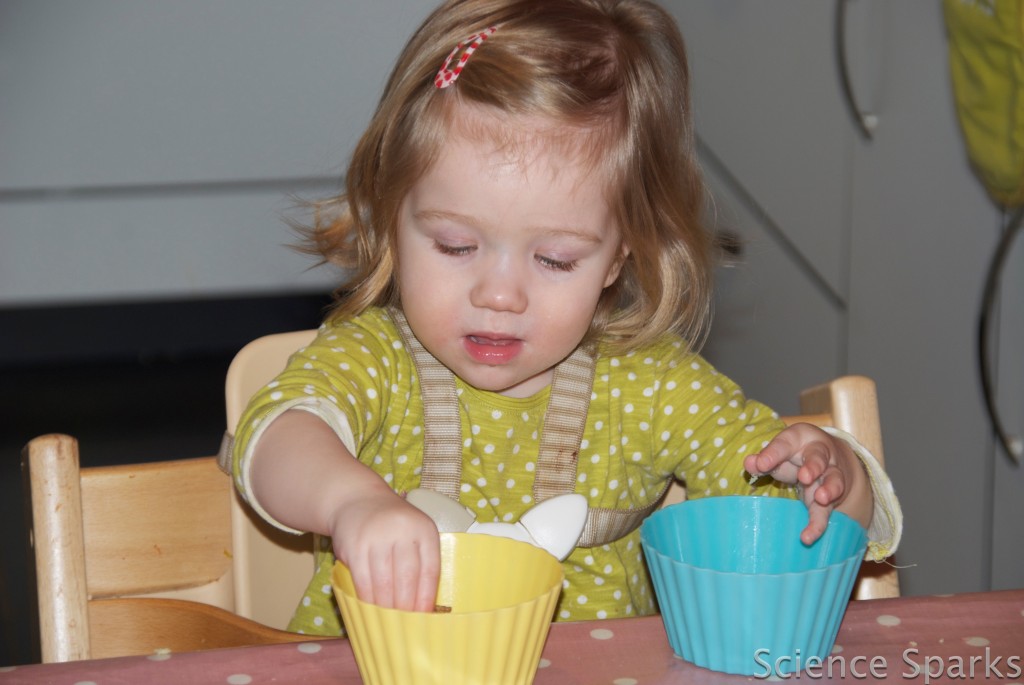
x=492, y=350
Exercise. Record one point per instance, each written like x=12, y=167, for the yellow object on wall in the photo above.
x=986, y=59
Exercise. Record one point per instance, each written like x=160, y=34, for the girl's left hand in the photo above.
x=825, y=469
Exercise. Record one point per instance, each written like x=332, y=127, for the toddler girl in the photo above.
x=529, y=280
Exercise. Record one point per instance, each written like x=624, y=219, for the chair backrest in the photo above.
x=849, y=403
x=271, y=568
x=131, y=558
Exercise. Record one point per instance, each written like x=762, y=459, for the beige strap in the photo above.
x=564, y=422
x=608, y=525
x=442, y=426
x=227, y=445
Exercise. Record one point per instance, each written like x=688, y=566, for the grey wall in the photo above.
x=147, y=150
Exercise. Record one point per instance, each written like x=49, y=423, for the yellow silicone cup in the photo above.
x=502, y=596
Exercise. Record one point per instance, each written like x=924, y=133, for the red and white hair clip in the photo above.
x=447, y=74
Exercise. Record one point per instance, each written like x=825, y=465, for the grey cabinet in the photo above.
x=865, y=256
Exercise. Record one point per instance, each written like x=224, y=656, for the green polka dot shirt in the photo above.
x=655, y=413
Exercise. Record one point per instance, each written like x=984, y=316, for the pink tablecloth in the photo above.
x=911, y=640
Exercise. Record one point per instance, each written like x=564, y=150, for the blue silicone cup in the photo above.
x=738, y=591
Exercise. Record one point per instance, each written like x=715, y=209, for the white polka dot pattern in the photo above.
x=652, y=414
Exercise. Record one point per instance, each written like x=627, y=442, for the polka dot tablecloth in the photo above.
x=913, y=639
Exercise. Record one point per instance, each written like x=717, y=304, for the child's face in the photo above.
x=503, y=255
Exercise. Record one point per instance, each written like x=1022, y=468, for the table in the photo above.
x=924, y=640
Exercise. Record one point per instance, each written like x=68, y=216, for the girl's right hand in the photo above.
x=391, y=548
x=306, y=479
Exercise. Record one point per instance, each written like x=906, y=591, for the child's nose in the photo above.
x=499, y=286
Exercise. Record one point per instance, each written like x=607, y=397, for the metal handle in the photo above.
x=1012, y=444
x=866, y=122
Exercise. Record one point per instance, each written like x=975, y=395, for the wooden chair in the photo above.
x=277, y=565
x=134, y=558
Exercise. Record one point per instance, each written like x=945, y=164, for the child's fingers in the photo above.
x=405, y=570
x=362, y=581
x=366, y=579
x=820, y=498
x=776, y=453
x=430, y=570
x=770, y=464
x=813, y=459
x=786, y=453
x=406, y=575
x=831, y=487
x=382, y=577
x=416, y=572
x=816, y=523
x=420, y=590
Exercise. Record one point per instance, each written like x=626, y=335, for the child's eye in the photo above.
x=453, y=250
x=557, y=264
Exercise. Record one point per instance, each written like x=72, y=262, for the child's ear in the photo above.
x=616, y=267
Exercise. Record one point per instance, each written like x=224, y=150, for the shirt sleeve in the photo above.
x=706, y=427
x=886, y=527
x=337, y=377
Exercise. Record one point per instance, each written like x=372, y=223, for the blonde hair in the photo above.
x=614, y=68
